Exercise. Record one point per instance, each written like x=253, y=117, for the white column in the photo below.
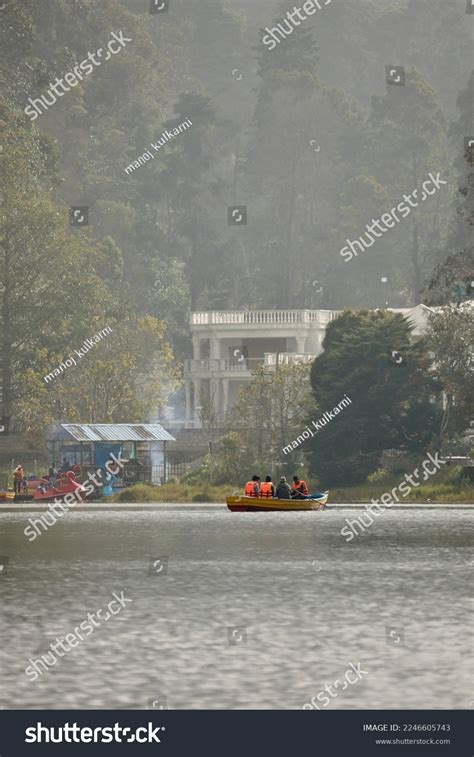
x=196, y=347
x=187, y=388
x=214, y=348
x=214, y=389
x=225, y=396
x=197, y=402
x=300, y=344
x=322, y=334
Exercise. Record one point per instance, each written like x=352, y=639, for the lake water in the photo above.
x=252, y=610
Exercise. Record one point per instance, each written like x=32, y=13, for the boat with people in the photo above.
x=47, y=491
x=53, y=486
x=266, y=497
x=243, y=504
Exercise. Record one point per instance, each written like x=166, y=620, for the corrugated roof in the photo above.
x=118, y=432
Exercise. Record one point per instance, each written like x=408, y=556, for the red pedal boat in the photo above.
x=47, y=491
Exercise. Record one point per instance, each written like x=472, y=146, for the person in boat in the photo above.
x=18, y=476
x=51, y=472
x=283, y=490
x=266, y=488
x=64, y=465
x=252, y=488
x=43, y=487
x=300, y=488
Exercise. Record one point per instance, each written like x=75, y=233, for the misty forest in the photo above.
x=311, y=140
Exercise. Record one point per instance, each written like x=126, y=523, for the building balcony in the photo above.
x=262, y=317
x=218, y=366
x=288, y=358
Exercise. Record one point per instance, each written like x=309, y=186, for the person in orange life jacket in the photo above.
x=252, y=488
x=267, y=489
x=18, y=475
x=300, y=489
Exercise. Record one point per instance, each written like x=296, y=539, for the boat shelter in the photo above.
x=142, y=447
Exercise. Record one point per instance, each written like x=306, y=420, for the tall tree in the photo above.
x=452, y=280
x=451, y=337
x=408, y=143
x=58, y=288
x=43, y=263
x=371, y=358
x=267, y=418
x=127, y=376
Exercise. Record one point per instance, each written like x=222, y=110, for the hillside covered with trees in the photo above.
x=309, y=137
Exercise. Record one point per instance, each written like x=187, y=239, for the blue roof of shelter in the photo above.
x=117, y=432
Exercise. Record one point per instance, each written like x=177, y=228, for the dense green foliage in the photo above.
x=158, y=243
x=393, y=403
x=266, y=418
x=451, y=340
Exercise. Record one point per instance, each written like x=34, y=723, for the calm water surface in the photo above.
x=304, y=602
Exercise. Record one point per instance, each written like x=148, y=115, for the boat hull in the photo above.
x=50, y=491
x=259, y=504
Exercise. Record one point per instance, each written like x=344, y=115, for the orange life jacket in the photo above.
x=266, y=489
x=250, y=489
x=302, y=487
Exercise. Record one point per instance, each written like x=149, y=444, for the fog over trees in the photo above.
x=308, y=136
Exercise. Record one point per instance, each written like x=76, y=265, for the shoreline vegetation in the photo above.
x=443, y=492
x=447, y=487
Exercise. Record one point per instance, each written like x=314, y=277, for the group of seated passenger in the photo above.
x=55, y=475
x=267, y=489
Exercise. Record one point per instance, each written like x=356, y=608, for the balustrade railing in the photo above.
x=288, y=358
x=220, y=365
x=259, y=317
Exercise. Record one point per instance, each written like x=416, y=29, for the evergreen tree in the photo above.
x=451, y=336
x=371, y=358
x=452, y=280
x=408, y=142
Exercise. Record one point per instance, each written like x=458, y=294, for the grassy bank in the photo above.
x=174, y=492
x=445, y=486
x=448, y=493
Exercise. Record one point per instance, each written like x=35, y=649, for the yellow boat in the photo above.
x=242, y=504
x=7, y=496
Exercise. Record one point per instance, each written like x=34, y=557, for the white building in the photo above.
x=228, y=346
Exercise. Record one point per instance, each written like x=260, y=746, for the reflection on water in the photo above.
x=250, y=610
